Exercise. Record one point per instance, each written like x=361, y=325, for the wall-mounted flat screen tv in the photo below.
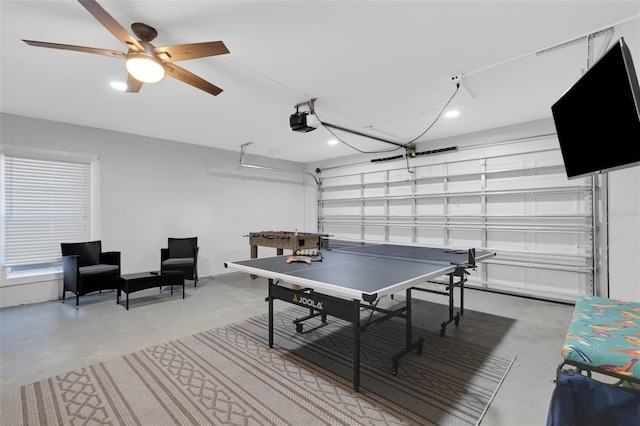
x=598, y=119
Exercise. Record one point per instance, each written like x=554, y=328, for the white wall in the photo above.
x=152, y=189
x=624, y=233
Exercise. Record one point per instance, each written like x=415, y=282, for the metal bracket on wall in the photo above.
x=243, y=149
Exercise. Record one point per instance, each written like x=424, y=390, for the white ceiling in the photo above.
x=378, y=67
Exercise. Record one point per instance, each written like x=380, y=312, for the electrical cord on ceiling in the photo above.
x=403, y=146
x=437, y=117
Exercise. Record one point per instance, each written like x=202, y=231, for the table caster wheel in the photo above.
x=299, y=328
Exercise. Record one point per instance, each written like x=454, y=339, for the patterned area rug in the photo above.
x=229, y=376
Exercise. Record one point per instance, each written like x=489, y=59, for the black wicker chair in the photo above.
x=86, y=268
x=181, y=254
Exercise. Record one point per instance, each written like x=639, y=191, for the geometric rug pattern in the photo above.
x=229, y=376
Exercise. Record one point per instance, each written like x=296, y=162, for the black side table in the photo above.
x=130, y=283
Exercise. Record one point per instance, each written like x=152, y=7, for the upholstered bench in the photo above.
x=604, y=337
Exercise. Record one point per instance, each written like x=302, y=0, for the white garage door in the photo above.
x=512, y=198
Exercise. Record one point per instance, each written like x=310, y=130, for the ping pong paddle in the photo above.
x=305, y=259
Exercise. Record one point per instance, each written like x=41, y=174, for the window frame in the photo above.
x=8, y=277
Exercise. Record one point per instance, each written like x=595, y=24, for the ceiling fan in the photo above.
x=146, y=63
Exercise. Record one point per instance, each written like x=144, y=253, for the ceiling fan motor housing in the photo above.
x=144, y=31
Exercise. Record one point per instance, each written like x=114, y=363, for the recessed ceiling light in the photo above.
x=332, y=142
x=452, y=113
x=118, y=85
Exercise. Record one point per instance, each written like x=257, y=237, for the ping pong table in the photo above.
x=346, y=278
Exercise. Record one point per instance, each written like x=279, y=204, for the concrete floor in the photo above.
x=44, y=339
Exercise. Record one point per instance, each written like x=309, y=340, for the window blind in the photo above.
x=46, y=202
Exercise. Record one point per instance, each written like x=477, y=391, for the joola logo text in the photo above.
x=307, y=301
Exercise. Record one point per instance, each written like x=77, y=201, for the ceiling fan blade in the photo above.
x=105, y=52
x=133, y=85
x=181, y=52
x=111, y=24
x=192, y=79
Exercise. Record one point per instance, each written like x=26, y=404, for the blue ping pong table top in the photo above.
x=356, y=272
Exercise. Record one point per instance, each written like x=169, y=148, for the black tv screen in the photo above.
x=598, y=119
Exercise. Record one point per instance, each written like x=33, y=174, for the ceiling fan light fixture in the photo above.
x=145, y=68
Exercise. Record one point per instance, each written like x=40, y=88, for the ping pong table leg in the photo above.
x=270, y=313
x=408, y=330
x=463, y=279
x=451, y=287
x=460, y=273
x=356, y=345
x=409, y=343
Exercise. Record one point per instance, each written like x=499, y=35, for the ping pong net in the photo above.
x=466, y=258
